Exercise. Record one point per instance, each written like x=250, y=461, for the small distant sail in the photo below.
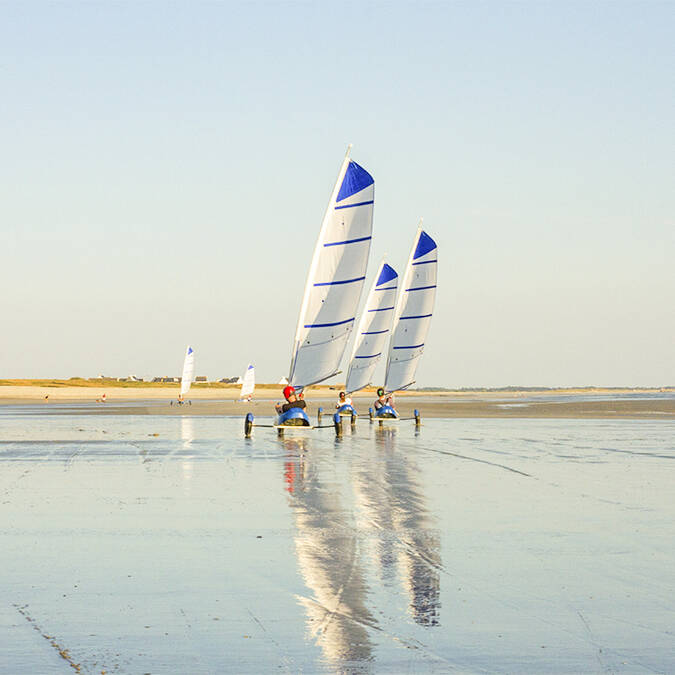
x=374, y=328
x=283, y=380
x=335, y=279
x=413, y=313
x=248, y=383
x=188, y=371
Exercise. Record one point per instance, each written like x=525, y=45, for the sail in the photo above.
x=335, y=279
x=413, y=313
x=373, y=330
x=188, y=371
x=248, y=384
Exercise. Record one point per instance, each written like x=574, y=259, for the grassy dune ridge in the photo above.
x=110, y=382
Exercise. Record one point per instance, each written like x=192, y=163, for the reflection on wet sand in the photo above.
x=330, y=561
x=391, y=501
x=187, y=434
x=187, y=431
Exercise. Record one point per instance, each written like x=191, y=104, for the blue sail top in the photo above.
x=356, y=179
x=387, y=274
x=190, y=350
x=424, y=245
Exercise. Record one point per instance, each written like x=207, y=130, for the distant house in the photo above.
x=201, y=378
x=229, y=380
x=133, y=378
x=165, y=379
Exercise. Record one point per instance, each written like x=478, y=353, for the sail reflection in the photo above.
x=187, y=434
x=187, y=431
x=392, y=501
x=330, y=561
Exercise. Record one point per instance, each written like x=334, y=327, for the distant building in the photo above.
x=201, y=378
x=229, y=380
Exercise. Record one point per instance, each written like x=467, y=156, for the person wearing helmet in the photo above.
x=383, y=399
x=343, y=400
x=292, y=401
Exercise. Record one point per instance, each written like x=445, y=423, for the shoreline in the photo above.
x=430, y=406
x=572, y=403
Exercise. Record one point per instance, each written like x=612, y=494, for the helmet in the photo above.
x=380, y=392
x=288, y=392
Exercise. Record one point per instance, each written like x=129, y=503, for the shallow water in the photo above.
x=162, y=544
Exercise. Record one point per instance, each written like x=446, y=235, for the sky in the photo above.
x=165, y=167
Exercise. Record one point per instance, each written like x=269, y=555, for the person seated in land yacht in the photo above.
x=383, y=399
x=292, y=401
x=343, y=400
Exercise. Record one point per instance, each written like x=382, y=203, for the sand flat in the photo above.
x=560, y=404
x=171, y=544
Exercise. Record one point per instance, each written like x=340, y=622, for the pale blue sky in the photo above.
x=165, y=167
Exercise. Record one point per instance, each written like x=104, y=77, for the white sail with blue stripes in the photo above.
x=188, y=371
x=335, y=279
x=248, y=382
x=373, y=330
x=413, y=313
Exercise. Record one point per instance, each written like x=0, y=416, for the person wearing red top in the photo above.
x=292, y=401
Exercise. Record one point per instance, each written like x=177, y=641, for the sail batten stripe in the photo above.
x=375, y=332
x=410, y=346
x=387, y=288
x=328, y=325
x=420, y=288
x=338, y=283
x=351, y=206
x=419, y=316
x=347, y=241
x=425, y=262
x=381, y=309
x=370, y=356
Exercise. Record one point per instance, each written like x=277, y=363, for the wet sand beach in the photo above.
x=168, y=544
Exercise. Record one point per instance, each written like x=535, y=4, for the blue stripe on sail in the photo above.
x=419, y=288
x=356, y=179
x=347, y=241
x=337, y=283
x=382, y=309
x=190, y=350
x=410, y=346
x=371, y=356
x=425, y=262
x=328, y=325
x=387, y=274
x=387, y=288
x=375, y=332
x=420, y=316
x=351, y=206
x=424, y=245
